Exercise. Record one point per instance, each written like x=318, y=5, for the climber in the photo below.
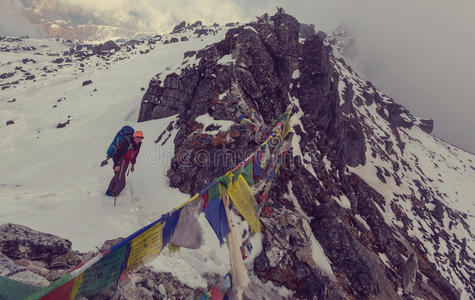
x=126, y=153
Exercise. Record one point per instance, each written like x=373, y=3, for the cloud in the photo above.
x=424, y=57
x=12, y=23
x=421, y=53
x=163, y=15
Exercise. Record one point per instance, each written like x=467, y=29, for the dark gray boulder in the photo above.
x=86, y=82
x=17, y=241
x=107, y=47
x=197, y=24
x=426, y=125
x=179, y=28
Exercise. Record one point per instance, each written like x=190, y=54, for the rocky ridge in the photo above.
x=358, y=174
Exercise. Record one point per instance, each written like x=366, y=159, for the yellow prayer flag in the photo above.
x=286, y=129
x=76, y=285
x=145, y=246
x=222, y=190
x=243, y=198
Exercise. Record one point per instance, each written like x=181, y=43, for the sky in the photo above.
x=419, y=52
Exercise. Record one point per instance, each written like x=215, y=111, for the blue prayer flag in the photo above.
x=215, y=213
x=169, y=228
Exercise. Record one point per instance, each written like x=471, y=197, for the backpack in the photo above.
x=124, y=132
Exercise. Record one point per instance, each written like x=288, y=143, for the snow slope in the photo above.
x=427, y=184
x=51, y=179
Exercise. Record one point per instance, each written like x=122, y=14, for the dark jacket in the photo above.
x=127, y=151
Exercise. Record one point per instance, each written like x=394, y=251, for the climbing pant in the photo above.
x=117, y=183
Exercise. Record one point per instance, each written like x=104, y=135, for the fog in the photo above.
x=11, y=21
x=419, y=52
x=162, y=15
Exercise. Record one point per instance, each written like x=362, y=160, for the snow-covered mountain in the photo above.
x=384, y=209
x=67, y=20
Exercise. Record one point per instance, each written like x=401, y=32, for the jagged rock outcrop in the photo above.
x=17, y=241
x=107, y=47
x=307, y=30
x=33, y=269
x=347, y=135
x=179, y=27
x=35, y=255
x=287, y=257
x=195, y=92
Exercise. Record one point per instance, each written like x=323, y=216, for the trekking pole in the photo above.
x=120, y=175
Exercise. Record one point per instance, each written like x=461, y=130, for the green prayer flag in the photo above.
x=236, y=174
x=224, y=180
x=213, y=192
x=12, y=289
x=103, y=277
x=248, y=173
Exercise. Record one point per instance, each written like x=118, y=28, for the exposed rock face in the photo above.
x=307, y=30
x=35, y=270
x=409, y=274
x=35, y=258
x=195, y=92
x=180, y=27
x=18, y=241
x=426, y=125
x=108, y=47
x=287, y=257
x=9, y=269
x=352, y=175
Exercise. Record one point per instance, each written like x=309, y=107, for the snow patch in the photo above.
x=225, y=60
x=208, y=120
x=384, y=258
x=341, y=89
x=251, y=28
x=363, y=221
x=222, y=95
x=343, y=201
x=296, y=74
x=327, y=163
x=318, y=254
